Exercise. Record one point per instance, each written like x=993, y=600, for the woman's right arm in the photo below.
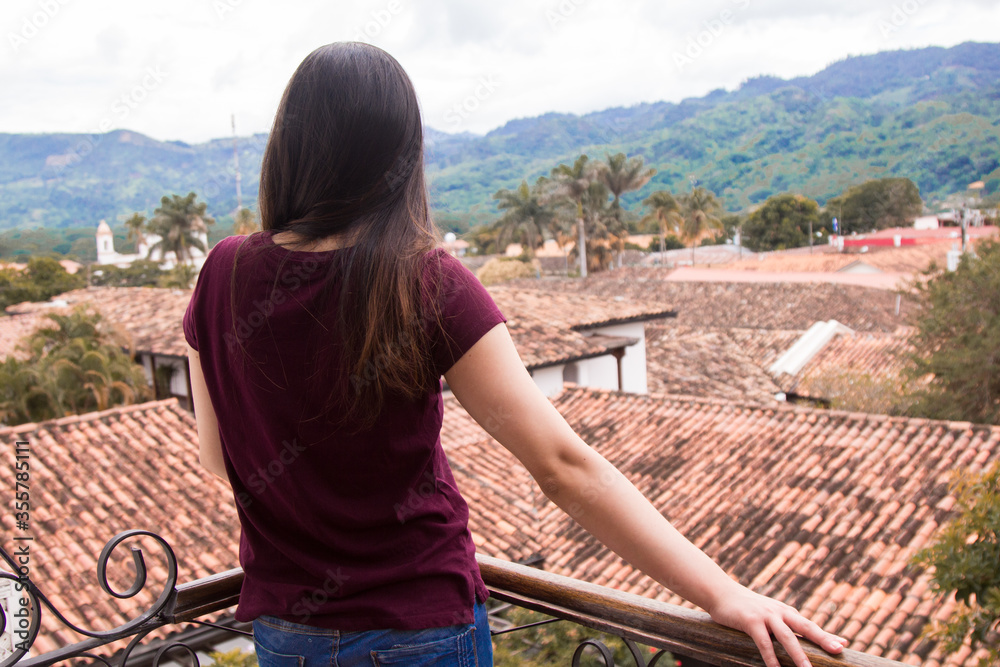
x=209, y=443
x=491, y=383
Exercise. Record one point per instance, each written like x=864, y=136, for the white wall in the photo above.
x=634, y=361
x=599, y=372
x=549, y=379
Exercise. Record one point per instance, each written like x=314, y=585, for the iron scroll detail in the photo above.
x=33, y=599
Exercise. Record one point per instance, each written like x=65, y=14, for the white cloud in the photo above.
x=479, y=64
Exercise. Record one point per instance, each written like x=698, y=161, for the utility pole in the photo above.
x=236, y=165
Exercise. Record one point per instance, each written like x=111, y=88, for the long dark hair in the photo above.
x=345, y=157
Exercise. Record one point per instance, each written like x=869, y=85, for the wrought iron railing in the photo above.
x=635, y=619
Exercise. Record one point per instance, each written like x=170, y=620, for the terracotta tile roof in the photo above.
x=545, y=326
x=719, y=363
x=95, y=475
x=821, y=509
x=573, y=310
x=13, y=330
x=507, y=497
x=540, y=344
x=908, y=259
x=878, y=355
x=551, y=327
x=786, y=306
x=151, y=315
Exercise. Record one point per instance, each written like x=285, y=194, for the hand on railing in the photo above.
x=761, y=617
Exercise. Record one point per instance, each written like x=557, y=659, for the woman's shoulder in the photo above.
x=226, y=249
x=439, y=263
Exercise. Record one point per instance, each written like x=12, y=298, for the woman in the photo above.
x=317, y=348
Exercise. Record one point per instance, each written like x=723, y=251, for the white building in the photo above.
x=106, y=253
x=618, y=363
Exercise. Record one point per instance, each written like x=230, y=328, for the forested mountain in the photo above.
x=932, y=115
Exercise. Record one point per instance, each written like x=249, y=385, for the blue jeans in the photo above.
x=280, y=643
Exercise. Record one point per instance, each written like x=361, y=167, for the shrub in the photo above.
x=502, y=269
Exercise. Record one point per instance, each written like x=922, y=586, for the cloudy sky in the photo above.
x=177, y=69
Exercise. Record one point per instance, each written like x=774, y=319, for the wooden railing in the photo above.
x=682, y=631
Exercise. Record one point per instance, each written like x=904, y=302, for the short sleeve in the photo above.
x=467, y=309
x=190, y=334
x=210, y=271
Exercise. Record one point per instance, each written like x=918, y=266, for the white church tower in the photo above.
x=105, y=244
x=106, y=253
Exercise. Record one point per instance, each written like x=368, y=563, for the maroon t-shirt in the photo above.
x=350, y=531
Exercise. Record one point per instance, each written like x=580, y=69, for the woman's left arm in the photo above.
x=492, y=384
x=209, y=444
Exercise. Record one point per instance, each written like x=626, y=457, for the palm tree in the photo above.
x=700, y=211
x=20, y=397
x=136, y=228
x=569, y=185
x=664, y=209
x=245, y=222
x=621, y=174
x=82, y=365
x=179, y=221
x=525, y=216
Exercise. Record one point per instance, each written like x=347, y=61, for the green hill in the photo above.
x=932, y=115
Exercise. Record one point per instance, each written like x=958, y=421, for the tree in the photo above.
x=732, y=224
x=877, y=204
x=571, y=185
x=554, y=643
x=860, y=391
x=664, y=209
x=136, y=225
x=957, y=339
x=178, y=222
x=140, y=273
x=78, y=365
x=965, y=557
x=621, y=174
x=245, y=222
x=525, y=217
x=483, y=240
x=784, y=221
x=234, y=658
x=700, y=210
x=42, y=279
x=596, y=226
x=179, y=277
